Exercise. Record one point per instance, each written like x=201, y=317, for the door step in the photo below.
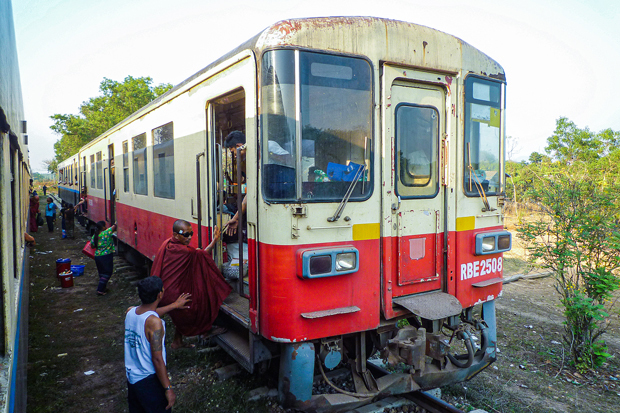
x=245, y=347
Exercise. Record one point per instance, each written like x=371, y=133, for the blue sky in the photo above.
x=560, y=56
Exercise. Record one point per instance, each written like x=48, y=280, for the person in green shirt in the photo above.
x=104, y=251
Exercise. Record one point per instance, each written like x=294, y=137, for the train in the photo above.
x=373, y=172
x=15, y=179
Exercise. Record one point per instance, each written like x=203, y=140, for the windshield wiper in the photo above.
x=483, y=195
x=347, y=195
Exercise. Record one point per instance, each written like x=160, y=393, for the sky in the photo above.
x=560, y=56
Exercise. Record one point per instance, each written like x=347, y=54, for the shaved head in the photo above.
x=180, y=224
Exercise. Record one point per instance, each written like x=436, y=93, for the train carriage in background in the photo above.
x=374, y=176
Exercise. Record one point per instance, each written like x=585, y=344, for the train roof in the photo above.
x=379, y=39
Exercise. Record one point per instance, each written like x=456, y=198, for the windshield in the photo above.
x=482, y=155
x=316, y=132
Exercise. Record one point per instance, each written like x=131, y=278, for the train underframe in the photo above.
x=399, y=357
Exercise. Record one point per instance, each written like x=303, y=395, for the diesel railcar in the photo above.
x=373, y=172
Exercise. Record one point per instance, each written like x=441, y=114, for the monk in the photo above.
x=184, y=269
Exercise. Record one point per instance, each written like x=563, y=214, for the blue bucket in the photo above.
x=77, y=270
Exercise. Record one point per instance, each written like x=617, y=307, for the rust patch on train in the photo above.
x=286, y=27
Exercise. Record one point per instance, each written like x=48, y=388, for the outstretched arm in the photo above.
x=180, y=303
x=216, y=236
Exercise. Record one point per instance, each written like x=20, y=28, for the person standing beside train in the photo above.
x=34, y=212
x=148, y=385
x=104, y=254
x=184, y=269
x=50, y=214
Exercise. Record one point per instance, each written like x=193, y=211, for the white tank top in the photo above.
x=138, y=362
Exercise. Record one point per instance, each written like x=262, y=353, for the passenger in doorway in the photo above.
x=184, y=269
x=104, y=254
x=148, y=385
x=50, y=214
x=234, y=140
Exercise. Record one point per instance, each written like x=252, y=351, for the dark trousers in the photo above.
x=147, y=396
x=50, y=223
x=105, y=267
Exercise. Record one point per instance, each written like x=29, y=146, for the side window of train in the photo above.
x=483, y=106
x=139, y=165
x=99, y=168
x=125, y=166
x=92, y=171
x=417, y=136
x=163, y=161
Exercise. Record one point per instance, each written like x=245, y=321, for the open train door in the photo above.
x=416, y=118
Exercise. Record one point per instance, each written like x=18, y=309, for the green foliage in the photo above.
x=576, y=235
x=117, y=101
x=570, y=143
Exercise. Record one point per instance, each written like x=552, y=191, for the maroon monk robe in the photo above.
x=185, y=269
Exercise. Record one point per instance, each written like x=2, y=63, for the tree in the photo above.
x=577, y=235
x=570, y=143
x=118, y=100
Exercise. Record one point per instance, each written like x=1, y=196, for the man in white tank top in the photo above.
x=149, y=388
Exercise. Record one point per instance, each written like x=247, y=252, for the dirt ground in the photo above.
x=76, y=349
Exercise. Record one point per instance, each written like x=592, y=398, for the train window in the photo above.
x=126, y=166
x=139, y=164
x=278, y=124
x=417, y=135
x=99, y=168
x=92, y=171
x=319, y=158
x=163, y=161
x=482, y=157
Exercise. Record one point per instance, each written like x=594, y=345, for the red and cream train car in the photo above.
x=374, y=176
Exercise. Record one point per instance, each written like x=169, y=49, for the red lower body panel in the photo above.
x=285, y=298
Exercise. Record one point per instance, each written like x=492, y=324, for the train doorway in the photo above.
x=230, y=187
x=416, y=118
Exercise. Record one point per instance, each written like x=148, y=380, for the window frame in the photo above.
x=156, y=161
x=501, y=105
x=436, y=170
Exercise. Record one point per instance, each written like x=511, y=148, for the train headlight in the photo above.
x=504, y=242
x=493, y=242
x=327, y=262
x=320, y=264
x=345, y=261
x=488, y=244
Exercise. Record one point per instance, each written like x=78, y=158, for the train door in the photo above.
x=414, y=217
x=227, y=115
x=112, y=180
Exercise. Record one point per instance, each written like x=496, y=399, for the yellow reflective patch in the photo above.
x=495, y=118
x=465, y=223
x=366, y=231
